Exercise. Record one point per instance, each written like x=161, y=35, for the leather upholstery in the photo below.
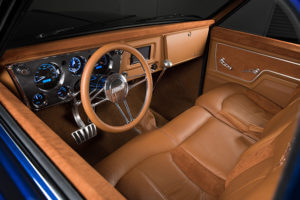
x=198, y=156
x=239, y=107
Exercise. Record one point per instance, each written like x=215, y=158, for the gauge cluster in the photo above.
x=56, y=79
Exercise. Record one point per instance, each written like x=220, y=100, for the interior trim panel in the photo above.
x=27, y=66
x=33, y=52
x=265, y=65
x=249, y=65
x=192, y=41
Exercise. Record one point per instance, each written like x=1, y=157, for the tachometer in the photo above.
x=47, y=76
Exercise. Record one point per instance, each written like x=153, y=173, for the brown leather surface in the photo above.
x=193, y=42
x=158, y=178
x=192, y=131
x=259, y=180
x=249, y=60
x=84, y=178
x=193, y=155
x=147, y=123
x=198, y=173
x=240, y=107
x=39, y=51
x=277, y=87
x=251, y=41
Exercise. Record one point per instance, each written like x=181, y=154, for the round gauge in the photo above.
x=63, y=92
x=76, y=64
x=97, y=81
x=39, y=100
x=47, y=76
x=102, y=65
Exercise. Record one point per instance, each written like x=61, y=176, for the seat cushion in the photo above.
x=240, y=107
x=199, y=156
x=190, y=156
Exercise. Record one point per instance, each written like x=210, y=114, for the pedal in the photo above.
x=84, y=134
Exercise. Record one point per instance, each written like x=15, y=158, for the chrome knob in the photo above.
x=168, y=64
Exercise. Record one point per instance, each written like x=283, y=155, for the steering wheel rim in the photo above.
x=85, y=83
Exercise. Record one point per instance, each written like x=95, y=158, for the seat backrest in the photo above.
x=258, y=171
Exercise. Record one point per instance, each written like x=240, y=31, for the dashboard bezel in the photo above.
x=28, y=88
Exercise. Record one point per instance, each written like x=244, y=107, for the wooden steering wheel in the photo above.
x=115, y=89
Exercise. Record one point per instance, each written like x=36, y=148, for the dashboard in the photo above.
x=47, y=74
x=56, y=79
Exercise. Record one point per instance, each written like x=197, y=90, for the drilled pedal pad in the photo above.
x=84, y=134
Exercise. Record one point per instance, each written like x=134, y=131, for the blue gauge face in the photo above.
x=102, y=65
x=38, y=100
x=63, y=92
x=47, y=76
x=76, y=64
x=97, y=81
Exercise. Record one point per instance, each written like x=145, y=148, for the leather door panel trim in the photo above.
x=264, y=62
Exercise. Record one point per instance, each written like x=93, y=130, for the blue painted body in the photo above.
x=296, y=4
x=18, y=169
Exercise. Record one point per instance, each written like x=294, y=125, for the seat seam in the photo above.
x=227, y=124
x=151, y=183
x=250, y=182
x=194, y=157
x=165, y=132
x=179, y=169
x=198, y=128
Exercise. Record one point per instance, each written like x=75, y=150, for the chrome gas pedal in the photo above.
x=85, y=133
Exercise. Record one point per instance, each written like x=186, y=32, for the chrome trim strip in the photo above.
x=39, y=179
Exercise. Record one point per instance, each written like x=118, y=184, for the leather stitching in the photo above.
x=151, y=183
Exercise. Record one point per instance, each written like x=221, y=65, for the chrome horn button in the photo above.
x=116, y=88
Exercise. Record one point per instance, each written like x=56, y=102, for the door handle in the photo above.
x=253, y=71
x=223, y=62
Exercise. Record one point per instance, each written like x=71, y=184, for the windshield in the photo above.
x=48, y=20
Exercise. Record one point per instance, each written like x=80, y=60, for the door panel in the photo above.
x=268, y=66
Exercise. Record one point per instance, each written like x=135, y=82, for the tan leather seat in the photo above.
x=197, y=156
x=240, y=107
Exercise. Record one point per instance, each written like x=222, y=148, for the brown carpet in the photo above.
x=178, y=89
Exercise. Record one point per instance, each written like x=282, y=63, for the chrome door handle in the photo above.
x=223, y=62
x=253, y=71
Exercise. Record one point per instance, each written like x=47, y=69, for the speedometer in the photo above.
x=47, y=76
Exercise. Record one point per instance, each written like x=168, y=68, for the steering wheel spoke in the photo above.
x=115, y=89
x=94, y=93
x=127, y=110
x=137, y=83
x=100, y=101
